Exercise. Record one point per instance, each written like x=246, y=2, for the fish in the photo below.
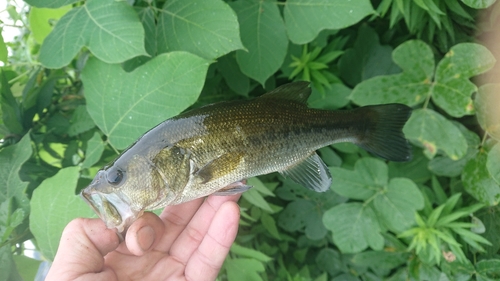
x=214, y=148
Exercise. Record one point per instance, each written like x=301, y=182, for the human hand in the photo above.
x=186, y=242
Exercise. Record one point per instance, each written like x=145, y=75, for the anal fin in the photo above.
x=312, y=173
x=234, y=188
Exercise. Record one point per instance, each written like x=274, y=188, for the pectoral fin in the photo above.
x=311, y=173
x=234, y=188
x=219, y=167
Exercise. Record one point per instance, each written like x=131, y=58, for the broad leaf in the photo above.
x=3, y=49
x=434, y=132
x=303, y=214
x=125, y=105
x=110, y=29
x=232, y=74
x=7, y=266
x=306, y=18
x=80, y=121
x=410, y=87
x=40, y=18
x=11, y=160
x=479, y=4
x=488, y=269
x=369, y=175
x=50, y=3
x=355, y=227
x=54, y=204
x=95, y=148
x=246, y=269
x=488, y=115
x=264, y=37
x=207, y=28
x=452, y=89
x=333, y=98
x=493, y=163
x=478, y=182
x=396, y=206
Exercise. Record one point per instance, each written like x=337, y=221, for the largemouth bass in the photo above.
x=210, y=150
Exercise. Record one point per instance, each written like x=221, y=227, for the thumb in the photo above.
x=83, y=245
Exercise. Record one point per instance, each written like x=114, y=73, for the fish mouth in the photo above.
x=113, y=209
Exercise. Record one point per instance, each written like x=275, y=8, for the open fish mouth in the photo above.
x=113, y=209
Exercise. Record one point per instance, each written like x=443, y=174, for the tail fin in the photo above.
x=383, y=134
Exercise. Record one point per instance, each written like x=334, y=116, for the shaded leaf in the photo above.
x=410, y=87
x=478, y=182
x=80, y=121
x=380, y=261
x=332, y=98
x=396, y=206
x=452, y=89
x=232, y=74
x=95, y=148
x=7, y=266
x=54, y=204
x=355, y=227
x=493, y=163
x=207, y=28
x=3, y=49
x=11, y=110
x=369, y=174
x=306, y=18
x=110, y=29
x=434, y=132
x=125, y=105
x=264, y=37
x=28, y=266
x=303, y=214
x=243, y=269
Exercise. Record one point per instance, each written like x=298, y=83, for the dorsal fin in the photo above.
x=296, y=91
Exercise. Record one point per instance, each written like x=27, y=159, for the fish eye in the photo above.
x=114, y=176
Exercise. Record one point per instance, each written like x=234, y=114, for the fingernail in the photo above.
x=146, y=237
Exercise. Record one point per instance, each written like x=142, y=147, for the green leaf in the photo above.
x=331, y=261
x=303, y=214
x=243, y=269
x=478, y=182
x=493, y=163
x=396, y=206
x=11, y=110
x=54, y=204
x=147, y=16
x=29, y=267
x=11, y=160
x=255, y=197
x=80, y=121
x=478, y=4
x=269, y=224
x=488, y=115
x=334, y=97
x=488, y=269
x=434, y=132
x=452, y=89
x=354, y=227
x=125, y=105
x=110, y=29
x=264, y=37
x=235, y=79
x=95, y=148
x=410, y=87
x=380, y=261
x=50, y=3
x=207, y=28
x=41, y=18
x=369, y=175
x=249, y=253
x=367, y=58
x=306, y=18
x=7, y=266
x=3, y=49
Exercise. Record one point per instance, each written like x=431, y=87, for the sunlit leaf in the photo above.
x=50, y=3
x=3, y=49
x=42, y=20
x=410, y=87
x=110, y=29
x=243, y=268
x=478, y=182
x=355, y=227
x=207, y=28
x=306, y=18
x=434, y=132
x=452, y=89
x=125, y=105
x=54, y=204
x=26, y=266
x=264, y=37
x=487, y=102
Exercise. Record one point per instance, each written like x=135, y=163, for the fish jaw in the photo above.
x=114, y=208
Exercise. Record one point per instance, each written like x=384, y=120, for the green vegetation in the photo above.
x=87, y=78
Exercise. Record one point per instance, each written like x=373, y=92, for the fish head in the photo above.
x=120, y=192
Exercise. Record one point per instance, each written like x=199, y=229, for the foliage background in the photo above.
x=86, y=78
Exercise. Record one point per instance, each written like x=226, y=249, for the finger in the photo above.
x=142, y=234
x=83, y=245
x=207, y=260
x=175, y=219
x=191, y=237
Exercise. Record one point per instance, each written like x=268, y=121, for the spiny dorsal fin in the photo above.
x=311, y=172
x=296, y=91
